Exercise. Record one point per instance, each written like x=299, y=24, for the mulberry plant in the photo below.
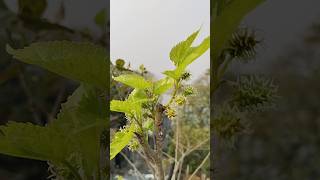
x=144, y=110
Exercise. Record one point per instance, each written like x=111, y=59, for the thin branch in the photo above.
x=168, y=155
x=196, y=147
x=146, y=159
x=180, y=168
x=132, y=165
x=177, y=164
x=199, y=167
x=181, y=146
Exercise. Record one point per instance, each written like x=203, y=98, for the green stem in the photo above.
x=176, y=87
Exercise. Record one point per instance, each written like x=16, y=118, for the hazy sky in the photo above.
x=144, y=31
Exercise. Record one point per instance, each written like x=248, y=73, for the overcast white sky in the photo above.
x=144, y=31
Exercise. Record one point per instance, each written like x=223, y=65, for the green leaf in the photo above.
x=228, y=21
x=137, y=95
x=121, y=140
x=83, y=118
x=79, y=61
x=163, y=85
x=31, y=141
x=127, y=107
x=192, y=55
x=175, y=74
x=91, y=114
x=134, y=81
x=196, y=52
x=84, y=107
x=179, y=52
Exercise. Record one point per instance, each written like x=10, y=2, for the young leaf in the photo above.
x=127, y=107
x=196, y=52
x=121, y=140
x=174, y=74
x=82, y=62
x=179, y=52
x=192, y=55
x=163, y=85
x=134, y=81
x=137, y=95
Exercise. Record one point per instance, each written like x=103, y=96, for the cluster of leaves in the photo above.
x=72, y=141
x=141, y=104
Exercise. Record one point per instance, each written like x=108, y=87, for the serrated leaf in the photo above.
x=196, y=52
x=178, y=53
x=121, y=140
x=127, y=107
x=163, y=85
x=91, y=114
x=134, y=81
x=192, y=55
x=78, y=61
x=31, y=141
x=83, y=118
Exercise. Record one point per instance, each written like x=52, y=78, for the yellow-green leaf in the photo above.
x=120, y=140
x=133, y=80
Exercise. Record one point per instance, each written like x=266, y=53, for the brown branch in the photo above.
x=159, y=137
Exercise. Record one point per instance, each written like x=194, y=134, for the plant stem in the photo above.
x=177, y=162
x=158, y=130
x=176, y=87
